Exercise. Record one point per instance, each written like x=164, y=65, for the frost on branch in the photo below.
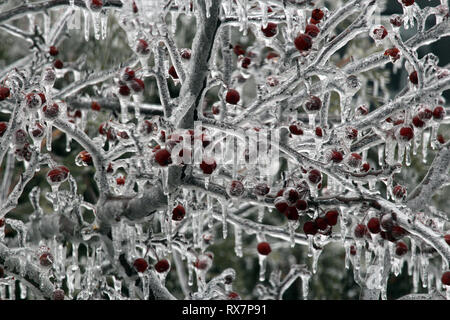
x=151, y=149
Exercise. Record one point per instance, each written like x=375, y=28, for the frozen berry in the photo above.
x=310, y=227
x=162, y=266
x=95, y=5
x=319, y=132
x=238, y=50
x=163, y=157
x=208, y=165
x=58, y=64
x=124, y=90
x=315, y=176
x=317, y=14
x=236, y=188
x=264, y=248
x=374, y=225
x=85, y=157
x=401, y=248
x=281, y=204
x=245, y=62
x=399, y=192
x=20, y=137
x=33, y=100
x=380, y=33
x=360, y=230
x=321, y=223
x=312, y=30
x=417, y=122
x=140, y=264
x=440, y=139
x=438, y=113
x=178, y=213
x=58, y=174
x=128, y=74
x=394, y=53
x=232, y=96
x=352, y=250
x=354, y=160
x=137, y=85
x=331, y=217
x=408, y=2
x=413, y=77
x=3, y=128
x=303, y=42
x=173, y=72
x=185, y=53
x=446, y=278
x=120, y=181
x=95, y=106
x=46, y=259
x=336, y=156
x=51, y=111
x=406, y=133
x=295, y=129
x=53, y=51
x=292, y=213
x=313, y=104
x=58, y=294
x=301, y=204
x=270, y=30
x=365, y=167
x=261, y=189
x=142, y=47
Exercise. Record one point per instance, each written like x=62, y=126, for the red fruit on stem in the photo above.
x=317, y=14
x=413, y=77
x=351, y=133
x=120, y=181
x=295, y=129
x=394, y=53
x=95, y=5
x=315, y=176
x=399, y=191
x=417, y=122
x=446, y=278
x=162, y=266
x=438, y=113
x=303, y=42
x=232, y=96
x=51, y=111
x=281, y=204
x=313, y=104
x=124, y=90
x=173, y=72
x=310, y=227
x=408, y=2
x=321, y=223
x=53, y=51
x=33, y=100
x=312, y=30
x=440, y=139
x=365, y=167
x=301, y=204
x=270, y=30
x=46, y=259
x=374, y=225
x=291, y=195
x=380, y=33
x=360, y=230
x=137, y=85
x=401, y=248
x=58, y=174
x=236, y=188
x=245, y=62
x=319, y=132
x=3, y=128
x=331, y=217
x=238, y=50
x=163, y=157
x=142, y=47
x=208, y=165
x=128, y=74
x=352, y=250
x=264, y=248
x=406, y=133
x=186, y=53
x=261, y=189
x=58, y=64
x=292, y=213
x=140, y=264
x=85, y=157
x=178, y=213
x=336, y=156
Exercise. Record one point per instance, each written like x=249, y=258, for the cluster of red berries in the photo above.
x=289, y=201
x=58, y=174
x=128, y=80
x=321, y=223
x=141, y=265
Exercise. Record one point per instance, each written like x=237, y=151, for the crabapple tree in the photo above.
x=272, y=123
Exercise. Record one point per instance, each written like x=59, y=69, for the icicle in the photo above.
x=315, y=260
x=238, y=241
x=190, y=274
x=224, y=218
x=425, y=141
x=87, y=21
x=292, y=225
x=262, y=267
x=312, y=120
x=390, y=150
x=97, y=24
x=380, y=154
x=408, y=155
x=305, y=286
x=104, y=23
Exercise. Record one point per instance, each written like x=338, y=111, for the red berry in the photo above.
x=317, y=14
x=140, y=264
x=408, y=2
x=380, y=33
x=352, y=250
x=128, y=74
x=95, y=106
x=331, y=217
x=178, y=213
x=398, y=232
x=366, y=167
x=238, y=50
x=292, y=213
x=446, y=278
x=399, y=191
x=396, y=21
x=272, y=55
x=336, y=156
x=291, y=195
x=51, y=111
x=135, y=8
x=394, y=53
x=303, y=42
x=319, y=132
x=351, y=133
x=163, y=157
x=314, y=21
x=413, y=77
x=360, y=230
x=295, y=129
x=58, y=64
x=438, y=113
x=301, y=204
x=245, y=62
x=85, y=157
x=374, y=225
x=3, y=128
x=186, y=54
x=321, y=223
x=2, y=223
x=270, y=30
x=261, y=189
x=310, y=227
x=173, y=72
x=315, y=176
x=312, y=30
x=43, y=99
x=232, y=96
x=142, y=47
x=236, y=188
x=46, y=259
x=264, y=248
x=406, y=133
x=401, y=248
x=120, y=181
x=417, y=122
x=58, y=174
x=162, y=266
x=354, y=160
x=124, y=90
x=281, y=204
x=96, y=5
x=440, y=138
x=53, y=51
x=208, y=165
x=233, y=296
x=313, y=104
